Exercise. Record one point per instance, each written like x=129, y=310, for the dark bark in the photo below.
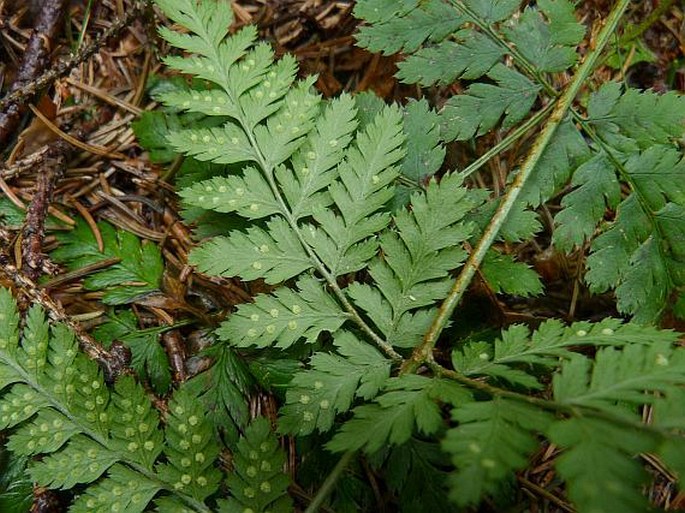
x=34, y=61
x=53, y=167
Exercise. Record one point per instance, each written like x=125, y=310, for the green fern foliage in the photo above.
x=357, y=234
x=258, y=482
x=137, y=269
x=624, y=141
x=60, y=407
x=446, y=41
x=330, y=385
x=409, y=404
x=493, y=439
x=148, y=357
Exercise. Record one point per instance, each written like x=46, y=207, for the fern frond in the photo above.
x=630, y=119
x=305, y=182
x=274, y=254
x=481, y=107
x=407, y=403
x=618, y=378
x=139, y=263
x=638, y=253
x=471, y=57
x=418, y=471
x=345, y=242
x=224, y=390
x=148, y=357
x=330, y=385
x=258, y=482
x=493, y=439
x=505, y=275
x=413, y=272
x=122, y=489
x=549, y=43
x=551, y=342
x=191, y=448
x=62, y=410
x=405, y=28
x=423, y=133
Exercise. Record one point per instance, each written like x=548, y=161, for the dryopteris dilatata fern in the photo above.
x=360, y=284
x=112, y=444
x=621, y=138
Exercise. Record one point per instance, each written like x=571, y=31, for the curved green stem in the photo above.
x=544, y=404
x=329, y=483
x=425, y=350
x=510, y=139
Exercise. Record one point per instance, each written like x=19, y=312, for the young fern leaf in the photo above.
x=549, y=43
x=418, y=471
x=423, y=133
x=284, y=317
x=626, y=139
x=224, y=389
x=346, y=242
x=148, y=357
x=494, y=439
x=139, y=263
x=417, y=257
x=405, y=28
x=191, y=448
x=440, y=50
x=618, y=378
x=517, y=350
x=407, y=402
x=477, y=111
x=258, y=482
x=596, y=454
x=316, y=395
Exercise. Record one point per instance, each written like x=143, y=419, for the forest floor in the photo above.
x=69, y=153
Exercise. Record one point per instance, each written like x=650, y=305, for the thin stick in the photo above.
x=28, y=91
x=54, y=165
x=34, y=60
x=329, y=483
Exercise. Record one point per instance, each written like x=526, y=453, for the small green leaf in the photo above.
x=284, y=317
x=275, y=255
x=507, y=276
x=316, y=395
x=471, y=57
x=493, y=439
x=258, y=482
x=481, y=107
x=407, y=404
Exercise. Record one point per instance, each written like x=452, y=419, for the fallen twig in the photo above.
x=29, y=90
x=34, y=60
x=113, y=362
x=53, y=167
